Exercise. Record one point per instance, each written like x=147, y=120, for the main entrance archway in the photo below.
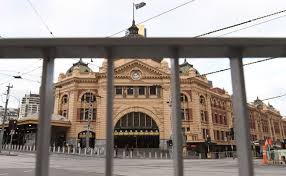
x=82, y=138
x=137, y=130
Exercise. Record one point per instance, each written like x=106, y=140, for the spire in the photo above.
x=133, y=29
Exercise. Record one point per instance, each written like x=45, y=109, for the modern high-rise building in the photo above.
x=30, y=105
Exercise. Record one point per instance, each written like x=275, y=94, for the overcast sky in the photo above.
x=101, y=18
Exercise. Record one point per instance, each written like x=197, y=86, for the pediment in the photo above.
x=146, y=70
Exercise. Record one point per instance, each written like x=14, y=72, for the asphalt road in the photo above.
x=63, y=165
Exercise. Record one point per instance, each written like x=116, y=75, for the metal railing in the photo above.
x=233, y=48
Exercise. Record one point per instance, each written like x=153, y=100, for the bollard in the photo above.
x=150, y=155
x=73, y=151
x=124, y=154
x=161, y=155
x=79, y=151
x=59, y=149
x=156, y=155
x=166, y=155
x=91, y=151
x=68, y=149
x=63, y=149
x=138, y=156
x=144, y=154
x=84, y=151
x=54, y=149
x=131, y=154
x=30, y=148
x=34, y=148
x=97, y=152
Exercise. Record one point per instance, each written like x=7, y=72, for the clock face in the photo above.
x=136, y=75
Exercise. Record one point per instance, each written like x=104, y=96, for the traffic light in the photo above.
x=169, y=143
x=12, y=124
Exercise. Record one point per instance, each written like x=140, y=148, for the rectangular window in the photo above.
x=218, y=135
x=202, y=116
x=182, y=114
x=130, y=90
x=222, y=135
x=187, y=114
x=118, y=90
x=152, y=90
x=225, y=120
x=215, y=137
x=204, y=133
x=206, y=116
x=188, y=129
x=207, y=133
x=84, y=112
x=216, y=120
x=141, y=90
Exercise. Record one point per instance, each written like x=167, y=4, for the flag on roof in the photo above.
x=141, y=4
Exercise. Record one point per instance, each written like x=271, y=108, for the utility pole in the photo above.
x=90, y=117
x=5, y=115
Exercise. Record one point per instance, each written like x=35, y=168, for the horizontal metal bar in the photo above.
x=144, y=47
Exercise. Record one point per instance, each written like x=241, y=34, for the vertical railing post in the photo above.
x=241, y=123
x=176, y=116
x=109, y=115
x=46, y=109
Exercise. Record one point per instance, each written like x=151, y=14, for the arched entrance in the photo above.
x=82, y=139
x=137, y=130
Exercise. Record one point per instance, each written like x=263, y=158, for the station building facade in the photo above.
x=142, y=107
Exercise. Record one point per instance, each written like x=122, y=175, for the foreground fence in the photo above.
x=111, y=48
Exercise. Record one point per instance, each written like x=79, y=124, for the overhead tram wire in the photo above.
x=250, y=63
x=274, y=97
x=14, y=78
x=42, y=20
x=239, y=24
x=252, y=25
x=160, y=14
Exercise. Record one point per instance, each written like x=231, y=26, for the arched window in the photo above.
x=184, y=98
x=65, y=99
x=88, y=97
x=202, y=100
x=214, y=103
x=136, y=120
x=223, y=105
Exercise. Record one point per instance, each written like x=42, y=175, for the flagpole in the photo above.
x=133, y=12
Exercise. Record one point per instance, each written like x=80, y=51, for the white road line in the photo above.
x=28, y=171
x=4, y=174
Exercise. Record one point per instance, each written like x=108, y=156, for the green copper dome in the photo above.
x=83, y=67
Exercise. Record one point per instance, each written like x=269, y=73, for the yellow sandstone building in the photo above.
x=142, y=112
